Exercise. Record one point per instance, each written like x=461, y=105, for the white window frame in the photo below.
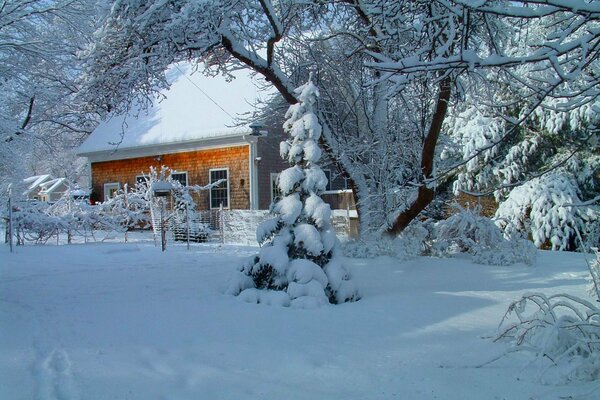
x=140, y=178
x=346, y=185
x=108, y=186
x=210, y=190
x=187, y=182
x=273, y=181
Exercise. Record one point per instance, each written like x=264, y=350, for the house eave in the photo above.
x=166, y=148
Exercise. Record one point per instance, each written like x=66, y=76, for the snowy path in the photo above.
x=125, y=321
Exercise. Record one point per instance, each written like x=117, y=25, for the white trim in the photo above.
x=253, y=172
x=344, y=213
x=339, y=191
x=187, y=182
x=90, y=182
x=346, y=183
x=140, y=178
x=228, y=188
x=108, y=186
x=168, y=148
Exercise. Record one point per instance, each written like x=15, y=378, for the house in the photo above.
x=33, y=186
x=191, y=131
x=45, y=188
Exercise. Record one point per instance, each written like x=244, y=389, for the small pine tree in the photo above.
x=297, y=264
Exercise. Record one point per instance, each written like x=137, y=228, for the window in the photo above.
x=275, y=192
x=140, y=179
x=110, y=189
x=219, y=195
x=180, y=177
x=346, y=183
x=328, y=175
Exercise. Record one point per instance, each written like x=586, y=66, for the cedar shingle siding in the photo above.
x=271, y=162
x=196, y=163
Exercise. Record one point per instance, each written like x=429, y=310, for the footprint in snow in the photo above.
x=54, y=379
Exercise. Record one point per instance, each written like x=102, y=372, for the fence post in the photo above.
x=348, y=229
x=126, y=204
x=163, y=228
x=187, y=225
x=70, y=209
x=10, y=221
x=221, y=224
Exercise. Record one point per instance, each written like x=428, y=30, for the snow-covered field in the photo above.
x=125, y=321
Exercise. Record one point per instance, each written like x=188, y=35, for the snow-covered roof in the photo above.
x=50, y=186
x=34, y=182
x=79, y=192
x=195, y=108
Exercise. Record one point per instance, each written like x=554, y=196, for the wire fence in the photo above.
x=34, y=225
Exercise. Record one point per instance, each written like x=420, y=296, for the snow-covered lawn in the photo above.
x=125, y=321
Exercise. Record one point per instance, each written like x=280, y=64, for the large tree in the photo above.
x=397, y=66
x=39, y=69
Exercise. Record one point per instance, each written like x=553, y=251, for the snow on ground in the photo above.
x=125, y=321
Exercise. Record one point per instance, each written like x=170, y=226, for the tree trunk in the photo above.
x=426, y=194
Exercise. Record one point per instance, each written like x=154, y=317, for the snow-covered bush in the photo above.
x=507, y=252
x=594, y=267
x=468, y=232
x=547, y=209
x=298, y=258
x=127, y=209
x=562, y=332
x=465, y=232
x=412, y=242
x=543, y=173
x=33, y=222
x=39, y=221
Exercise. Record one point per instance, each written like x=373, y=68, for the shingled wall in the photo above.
x=196, y=163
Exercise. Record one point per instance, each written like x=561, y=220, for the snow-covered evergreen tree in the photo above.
x=298, y=264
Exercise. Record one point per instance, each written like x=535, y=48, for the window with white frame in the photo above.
x=110, y=189
x=180, y=176
x=219, y=195
x=275, y=192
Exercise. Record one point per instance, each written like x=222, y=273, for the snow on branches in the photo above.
x=547, y=208
x=561, y=331
x=298, y=264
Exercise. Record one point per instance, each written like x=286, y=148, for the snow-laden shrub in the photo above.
x=547, y=209
x=562, y=332
x=465, y=232
x=468, y=232
x=594, y=267
x=411, y=243
x=298, y=264
x=507, y=252
x=33, y=221
x=37, y=222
